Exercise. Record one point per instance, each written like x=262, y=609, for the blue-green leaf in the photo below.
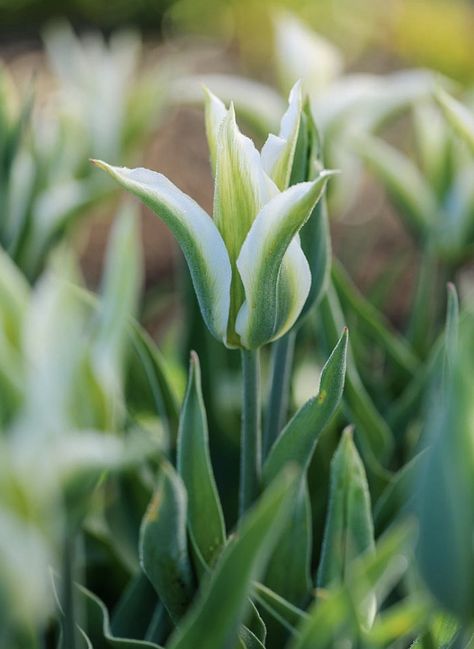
x=163, y=546
x=298, y=440
x=205, y=518
x=242, y=561
x=349, y=528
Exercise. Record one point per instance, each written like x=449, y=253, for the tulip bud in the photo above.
x=248, y=269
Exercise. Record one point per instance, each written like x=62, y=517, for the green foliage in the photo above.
x=118, y=500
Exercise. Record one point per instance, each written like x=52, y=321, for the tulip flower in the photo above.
x=246, y=263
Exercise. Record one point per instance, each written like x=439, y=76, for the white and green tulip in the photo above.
x=247, y=266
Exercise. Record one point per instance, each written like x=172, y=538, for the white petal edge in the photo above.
x=261, y=256
x=278, y=151
x=294, y=284
x=198, y=237
x=215, y=113
x=233, y=147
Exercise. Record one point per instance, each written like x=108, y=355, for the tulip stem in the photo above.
x=250, y=449
x=69, y=626
x=282, y=361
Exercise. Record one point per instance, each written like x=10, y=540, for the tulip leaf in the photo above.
x=205, y=518
x=256, y=624
x=452, y=325
x=298, y=440
x=134, y=610
x=197, y=235
x=445, y=503
x=349, y=528
x=98, y=626
x=289, y=568
x=242, y=561
x=288, y=615
x=273, y=303
x=400, y=621
x=373, y=321
x=398, y=495
x=335, y=613
x=249, y=639
x=163, y=547
x=372, y=430
x=148, y=388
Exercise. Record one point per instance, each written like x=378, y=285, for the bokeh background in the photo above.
x=158, y=42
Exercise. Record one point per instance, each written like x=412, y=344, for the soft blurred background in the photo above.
x=113, y=80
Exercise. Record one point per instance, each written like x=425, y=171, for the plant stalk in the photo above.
x=250, y=445
x=69, y=630
x=277, y=410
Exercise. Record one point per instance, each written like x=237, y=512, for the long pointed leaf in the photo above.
x=163, y=548
x=299, y=438
x=242, y=561
x=205, y=518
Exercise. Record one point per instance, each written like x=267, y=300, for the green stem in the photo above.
x=282, y=360
x=250, y=449
x=69, y=625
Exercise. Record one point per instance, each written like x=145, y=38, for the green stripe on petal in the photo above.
x=242, y=188
x=215, y=114
x=294, y=283
x=279, y=150
x=198, y=237
x=260, y=259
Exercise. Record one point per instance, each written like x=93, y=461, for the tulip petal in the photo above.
x=294, y=284
x=198, y=237
x=215, y=114
x=260, y=263
x=242, y=188
x=278, y=151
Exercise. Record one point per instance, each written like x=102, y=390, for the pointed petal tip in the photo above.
x=208, y=94
x=97, y=163
x=328, y=173
x=100, y=164
x=296, y=90
x=193, y=359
